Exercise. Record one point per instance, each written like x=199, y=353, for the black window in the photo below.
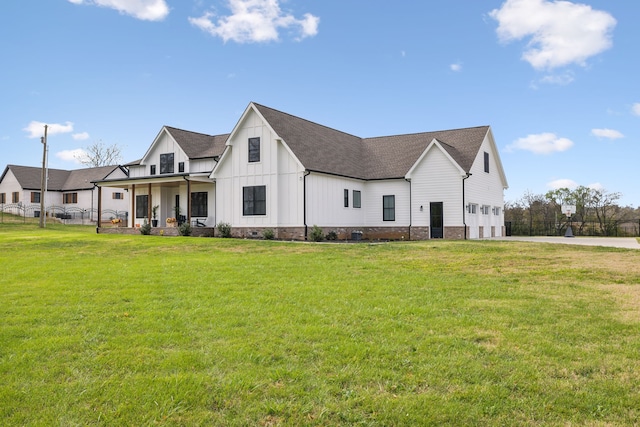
x=166, y=163
x=180, y=167
x=357, y=200
x=346, y=198
x=142, y=206
x=153, y=169
x=254, y=150
x=199, y=203
x=254, y=200
x=389, y=208
x=486, y=162
x=35, y=197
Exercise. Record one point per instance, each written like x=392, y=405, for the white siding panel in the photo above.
x=372, y=202
x=325, y=201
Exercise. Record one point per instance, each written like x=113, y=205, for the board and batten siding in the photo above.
x=325, y=201
x=277, y=171
x=436, y=179
x=372, y=202
x=485, y=189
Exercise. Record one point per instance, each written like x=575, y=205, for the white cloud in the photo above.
x=72, y=155
x=80, y=136
x=255, y=21
x=36, y=129
x=562, y=183
x=559, y=32
x=147, y=10
x=607, y=133
x=542, y=143
x=456, y=67
x=596, y=186
x=636, y=109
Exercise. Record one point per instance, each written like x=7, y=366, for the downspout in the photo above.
x=464, y=207
x=304, y=202
x=410, y=209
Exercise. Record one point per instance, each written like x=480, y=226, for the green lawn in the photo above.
x=149, y=330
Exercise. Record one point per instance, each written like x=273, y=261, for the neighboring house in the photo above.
x=280, y=172
x=70, y=194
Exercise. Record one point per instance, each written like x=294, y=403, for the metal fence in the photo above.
x=621, y=228
x=64, y=214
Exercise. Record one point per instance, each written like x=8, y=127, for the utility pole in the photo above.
x=43, y=181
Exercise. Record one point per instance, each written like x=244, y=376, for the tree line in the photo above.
x=598, y=213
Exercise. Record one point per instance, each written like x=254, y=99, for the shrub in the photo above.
x=316, y=234
x=224, y=228
x=146, y=228
x=332, y=235
x=184, y=229
x=268, y=234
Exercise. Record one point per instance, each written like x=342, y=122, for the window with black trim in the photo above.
x=35, y=197
x=68, y=198
x=142, y=206
x=152, y=170
x=254, y=200
x=486, y=162
x=199, y=204
x=388, y=208
x=357, y=199
x=180, y=167
x=166, y=163
x=254, y=150
x=15, y=197
x=3, y=198
x=346, y=198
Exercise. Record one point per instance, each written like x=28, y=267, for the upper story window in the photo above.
x=472, y=208
x=152, y=170
x=357, y=199
x=346, y=198
x=254, y=150
x=180, y=167
x=166, y=163
x=486, y=162
x=484, y=209
x=388, y=208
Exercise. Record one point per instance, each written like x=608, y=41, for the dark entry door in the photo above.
x=437, y=227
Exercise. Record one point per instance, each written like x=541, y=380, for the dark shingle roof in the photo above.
x=323, y=149
x=29, y=177
x=198, y=145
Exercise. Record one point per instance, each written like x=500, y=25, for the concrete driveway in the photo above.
x=614, y=242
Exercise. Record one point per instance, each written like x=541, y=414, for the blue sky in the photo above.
x=556, y=81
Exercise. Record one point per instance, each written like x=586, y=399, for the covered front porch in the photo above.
x=164, y=202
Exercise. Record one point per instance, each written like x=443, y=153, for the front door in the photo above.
x=437, y=227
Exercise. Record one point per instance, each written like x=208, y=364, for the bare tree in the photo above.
x=98, y=154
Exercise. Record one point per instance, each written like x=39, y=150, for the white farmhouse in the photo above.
x=70, y=194
x=280, y=172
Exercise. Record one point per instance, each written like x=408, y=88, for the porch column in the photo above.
x=188, y=202
x=133, y=205
x=99, y=206
x=149, y=204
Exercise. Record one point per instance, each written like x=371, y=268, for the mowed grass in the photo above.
x=149, y=330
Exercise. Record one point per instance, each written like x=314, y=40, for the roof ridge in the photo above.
x=191, y=131
x=430, y=131
x=307, y=120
